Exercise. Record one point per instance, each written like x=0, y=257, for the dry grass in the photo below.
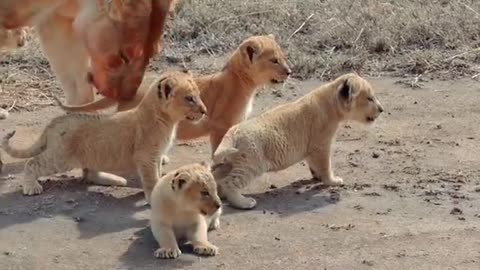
x=322, y=37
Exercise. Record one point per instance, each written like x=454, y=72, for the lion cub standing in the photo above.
x=289, y=133
x=123, y=142
x=228, y=94
x=185, y=203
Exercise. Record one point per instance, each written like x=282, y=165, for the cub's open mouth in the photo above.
x=203, y=212
x=190, y=118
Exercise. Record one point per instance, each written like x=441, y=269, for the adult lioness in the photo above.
x=124, y=142
x=285, y=135
x=228, y=94
x=185, y=204
x=101, y=43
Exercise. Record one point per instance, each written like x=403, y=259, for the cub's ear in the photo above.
x=345, y=91
x=178, y=183
x=251, y=50
x=165, y=89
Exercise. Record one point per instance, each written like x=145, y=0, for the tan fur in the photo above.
x=228, y=94
x=289, y=133
x=121, y=143
x=12, y=39
x=185, y=204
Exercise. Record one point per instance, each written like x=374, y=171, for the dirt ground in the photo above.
x=410, y=200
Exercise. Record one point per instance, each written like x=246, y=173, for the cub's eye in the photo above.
x=275, y=61
x=370, y=99
x=189, y=99
x=205, y=194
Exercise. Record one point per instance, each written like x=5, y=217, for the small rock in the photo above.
x=456, y=211
x=369, y=263
x=277, y=238
x=375, y=194
x=415, y=102
x=438, y=126
x=461, y=218
x=358, y=207
x=7, y=253
x=272, y=186
x=477, y=189
x=471, y=138
x=78, y=219
x=375, y=155
x=3, y=114
x=70, y=200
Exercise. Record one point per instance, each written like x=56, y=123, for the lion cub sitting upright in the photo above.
x=289, y=133
x=185, y=204
x=229, y=93
x=124, y=142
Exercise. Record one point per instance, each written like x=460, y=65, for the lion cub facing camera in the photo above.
x=289, y=133
x=125, y=142
x=185, y=204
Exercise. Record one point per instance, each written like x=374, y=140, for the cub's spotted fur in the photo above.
x=124, y=142
x=185, y=204
x=289, y=133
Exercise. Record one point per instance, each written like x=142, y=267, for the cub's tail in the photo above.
x=38, y=147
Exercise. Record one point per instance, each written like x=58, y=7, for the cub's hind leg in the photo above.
x=243, y=172
x=320, y=164
x=38, y=166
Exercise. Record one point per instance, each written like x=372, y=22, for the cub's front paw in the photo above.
x=32, y=189
x=335, y=181
x=206, y=249
x=167, y=253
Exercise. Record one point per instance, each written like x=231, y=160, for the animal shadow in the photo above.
x=139, y=254
x=297, y=197
x=96, y=210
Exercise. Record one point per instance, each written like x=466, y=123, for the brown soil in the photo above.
x=410, y=200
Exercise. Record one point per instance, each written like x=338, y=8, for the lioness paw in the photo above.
x=205, y=249
x=167, y=253
x=32, y=189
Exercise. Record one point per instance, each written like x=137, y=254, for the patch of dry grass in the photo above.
x=323, y=39
x=328, y=37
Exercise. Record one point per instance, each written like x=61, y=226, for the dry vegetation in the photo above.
x=323, y=38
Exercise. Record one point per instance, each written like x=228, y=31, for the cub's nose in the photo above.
x=203, y=110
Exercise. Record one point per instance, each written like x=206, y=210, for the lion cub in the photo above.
x=229, y=93
x=185, y=204
x=289, y=133
x=124, y=142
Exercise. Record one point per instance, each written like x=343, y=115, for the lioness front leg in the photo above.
x=150, y=174
x=199, y=239
x=165, y=237
x=320, y=164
